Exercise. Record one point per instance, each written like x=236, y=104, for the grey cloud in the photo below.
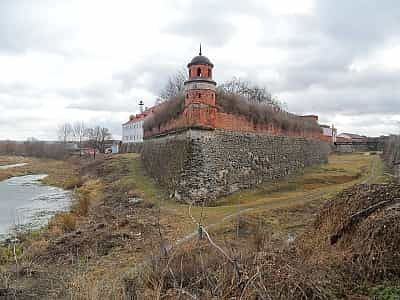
x=210, y=21
x=346, y=101
x=33, y=25
x=199, y=27
x=360, y=23
x=315, y=78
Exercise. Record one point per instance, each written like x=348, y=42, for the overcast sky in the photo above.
x=94, y=60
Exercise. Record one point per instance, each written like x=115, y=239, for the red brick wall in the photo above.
x=209, y=117
x=240, y=123
x=326, y=138
x=342, y=139
x=200, y=96
x=205, y=71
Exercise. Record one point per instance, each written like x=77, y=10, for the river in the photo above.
x=27, y=203
x=12, y=166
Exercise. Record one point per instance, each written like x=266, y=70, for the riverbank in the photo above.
x=63, y=174
x=121, y=218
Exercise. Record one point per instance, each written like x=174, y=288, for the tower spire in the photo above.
x=200, y=49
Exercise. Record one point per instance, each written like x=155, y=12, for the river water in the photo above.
x=26, y=203
x=12, y=166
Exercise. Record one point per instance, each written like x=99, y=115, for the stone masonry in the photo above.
x=197, y=165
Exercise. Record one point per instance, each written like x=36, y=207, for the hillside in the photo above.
x=122, y=223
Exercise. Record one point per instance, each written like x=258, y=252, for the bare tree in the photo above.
x=97, y=136
x=105, y=135
x=65, y=132
x=253, y=93
x=79, y=129
x=174, y=85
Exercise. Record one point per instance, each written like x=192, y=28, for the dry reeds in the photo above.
x=201, y=273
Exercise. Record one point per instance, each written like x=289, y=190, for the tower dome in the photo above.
x=200, y=69
x=200, y=60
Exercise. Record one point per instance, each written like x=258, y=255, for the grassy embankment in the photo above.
x=61, y=173
x=86, y=251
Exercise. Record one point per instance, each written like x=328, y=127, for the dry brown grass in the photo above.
x=310, y=268
x=199, y=272
x=91, y=193
x=112, y=236
x=62, y=223
x=358, y=231
x=85, y=286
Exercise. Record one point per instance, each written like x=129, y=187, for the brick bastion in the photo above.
x=203, y=150
x=197, y=164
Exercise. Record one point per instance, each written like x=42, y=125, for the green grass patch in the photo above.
x=383, y=292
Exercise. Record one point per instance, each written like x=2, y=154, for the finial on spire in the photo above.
x=200, y=49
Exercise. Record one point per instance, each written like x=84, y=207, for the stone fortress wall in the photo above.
x=203, y=153
x=391, y=155
x=197, y=165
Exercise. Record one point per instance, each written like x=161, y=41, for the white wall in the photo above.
x=329, y=132
x=132, y=132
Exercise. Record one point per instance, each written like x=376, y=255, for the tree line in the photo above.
x=34, y=148
x=69, y=135
x=93, y=137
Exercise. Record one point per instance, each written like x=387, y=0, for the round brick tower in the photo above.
x=200, y=93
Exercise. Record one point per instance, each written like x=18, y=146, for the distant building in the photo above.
x=351, y=137
x=329, y=133
x=115, y=147
x=132, y=131
x=310, y=117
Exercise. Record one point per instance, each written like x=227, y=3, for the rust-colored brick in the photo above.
x=200, y=108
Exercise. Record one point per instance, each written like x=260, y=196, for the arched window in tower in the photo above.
x=209, y=72
x=190, y=72
x=198, y=72
x=199, y=95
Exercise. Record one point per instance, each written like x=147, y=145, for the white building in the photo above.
x=329, y=133
x=132, y=131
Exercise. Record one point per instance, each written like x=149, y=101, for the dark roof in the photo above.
x=200, y=60
x=353, y=136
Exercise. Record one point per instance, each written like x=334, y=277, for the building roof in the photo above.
x=352, y=135
x=143, y=115
x=200, y=60
x=315, y=117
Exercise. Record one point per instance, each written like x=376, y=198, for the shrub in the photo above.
x=165, y=112
x=265, y=114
